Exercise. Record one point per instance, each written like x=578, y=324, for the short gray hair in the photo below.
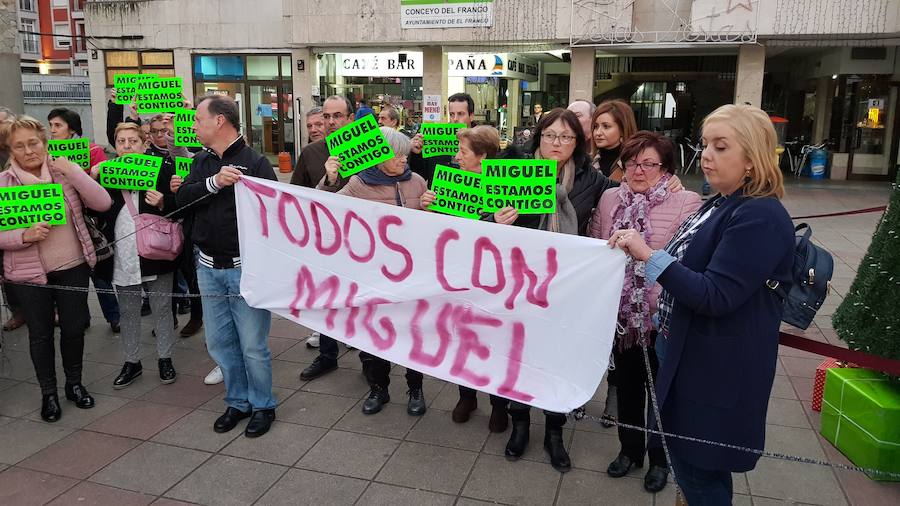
x=345, y=100
x=399, y=143
x=313, y=112
x=591, y=105
x=392, y=112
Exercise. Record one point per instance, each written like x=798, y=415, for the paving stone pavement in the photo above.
x=154, y=444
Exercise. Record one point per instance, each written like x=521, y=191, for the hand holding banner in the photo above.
x=23, y=206
x=77, y=151
x=440, y=139
x=457, y=192
x=527, y=185
x=524, y=314
x=130, y=172
x=359, y=145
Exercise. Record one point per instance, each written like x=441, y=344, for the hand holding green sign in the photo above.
x=126, y=86
x=184, y=129
x=527, y=185
x=77, y=151
x=457, y=192
x=359, y=145
x=440, y=139
x=23, y=206
x=130, y=172
x=159, y=95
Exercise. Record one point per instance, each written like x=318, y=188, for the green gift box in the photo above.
x=861, y=418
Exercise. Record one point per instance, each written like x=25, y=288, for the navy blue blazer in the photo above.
x=716, y=376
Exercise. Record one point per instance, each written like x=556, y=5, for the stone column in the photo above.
x=822, y=121
x=748, y=82
x=303, y=82
x=434, y=75
x=99, y=98
x=513, y=105
x=10, y=62
x=184, y=69
x=581, y=75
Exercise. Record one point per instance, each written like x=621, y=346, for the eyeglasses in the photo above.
x=647, y=166
x=157, y=131
x=337, y=116
x=563, y=139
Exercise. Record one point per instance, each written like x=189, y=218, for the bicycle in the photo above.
x=695, y=150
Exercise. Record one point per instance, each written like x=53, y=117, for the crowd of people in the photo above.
x=697, y=324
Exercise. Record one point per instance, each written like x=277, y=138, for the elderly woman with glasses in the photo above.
x=393, y=183
x=642, y=203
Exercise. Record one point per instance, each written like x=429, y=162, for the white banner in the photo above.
x=524, y=314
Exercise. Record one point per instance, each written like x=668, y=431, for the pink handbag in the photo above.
x=158, y=238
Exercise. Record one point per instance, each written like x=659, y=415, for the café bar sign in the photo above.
x=446, y=13
x=404, y=64
x=492, y=65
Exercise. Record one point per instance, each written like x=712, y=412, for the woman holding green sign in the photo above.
x=62, y=255
x=390, y=182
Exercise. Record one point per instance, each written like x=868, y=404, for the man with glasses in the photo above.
x=337, y=111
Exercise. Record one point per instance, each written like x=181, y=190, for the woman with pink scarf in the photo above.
x=642, y=203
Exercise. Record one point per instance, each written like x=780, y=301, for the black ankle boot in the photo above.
x=518, y=438
x=553, y=443
x=50, y=410
x=76, y=393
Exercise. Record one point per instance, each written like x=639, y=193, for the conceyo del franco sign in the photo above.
x=446, y=13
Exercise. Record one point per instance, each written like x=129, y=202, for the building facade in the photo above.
x=827, y=67
x=52, y=37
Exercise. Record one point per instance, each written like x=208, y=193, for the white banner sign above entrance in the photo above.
x=403, y=64
x=524, y=314
x=492, y=65
x=446, y=13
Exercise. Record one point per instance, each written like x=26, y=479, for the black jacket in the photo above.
x=425, y=166
x=214, y=228
x=587, y=188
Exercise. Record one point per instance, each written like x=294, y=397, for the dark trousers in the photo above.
x=702, y=487
x=109, y=304
x=12, y=302
x=37, y=306
x=378, y=371
x=328, y=347
x=633, y=391
x=189, y=272
x=470, y=393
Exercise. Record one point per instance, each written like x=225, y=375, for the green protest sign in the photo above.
x=161, y=94
x=184, y=129
x=440, y=139
x=126, y=86
x=527, y=185
x=77, y=151
x=23, y=206
x=183, y=166
x=359, y=145
x=130, y=172
x=457, y=192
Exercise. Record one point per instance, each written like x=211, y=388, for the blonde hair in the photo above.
x=127, y=125
x=26, y=123
x=756, y=136
x=483, y=139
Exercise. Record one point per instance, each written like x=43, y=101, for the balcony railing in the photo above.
x=45, y=93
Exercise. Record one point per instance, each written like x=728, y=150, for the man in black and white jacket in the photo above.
x=236, y=334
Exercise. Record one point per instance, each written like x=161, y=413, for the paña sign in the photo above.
x=446, y=13
x=492, y=65
x=379, y=64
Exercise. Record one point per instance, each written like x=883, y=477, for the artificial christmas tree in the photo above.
x=869, y=317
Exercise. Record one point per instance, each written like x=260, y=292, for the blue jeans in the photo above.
x=237, y=338
x=109, y=304
x=701, y=487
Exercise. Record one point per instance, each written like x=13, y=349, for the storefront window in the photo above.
x=135, y=62
x=150, y=58
x=216, y=67
x=121, y=58
x=262, y=67
x=286, y=67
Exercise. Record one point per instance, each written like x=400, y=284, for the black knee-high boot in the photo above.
x=518, y=439
x=553, y=442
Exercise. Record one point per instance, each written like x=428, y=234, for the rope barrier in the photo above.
x=841, y=213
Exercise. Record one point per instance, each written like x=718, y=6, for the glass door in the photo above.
x=264, y=128
x=871, y=104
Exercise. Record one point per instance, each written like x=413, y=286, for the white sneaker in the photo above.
x=214, y=377
x=313, y=340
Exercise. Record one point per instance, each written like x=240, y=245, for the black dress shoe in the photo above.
x=260, y=423
x=130, y=372
x=656, y=478
x=320, y=366
x=620, y=467
x=50, y=410
x=559, y=457
x=378, y=397
x=115, y=327
x=145, y=308
x=416, y=405
x=518, y=439
x=229, y=419
x=167, y=372
x=79, y=395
